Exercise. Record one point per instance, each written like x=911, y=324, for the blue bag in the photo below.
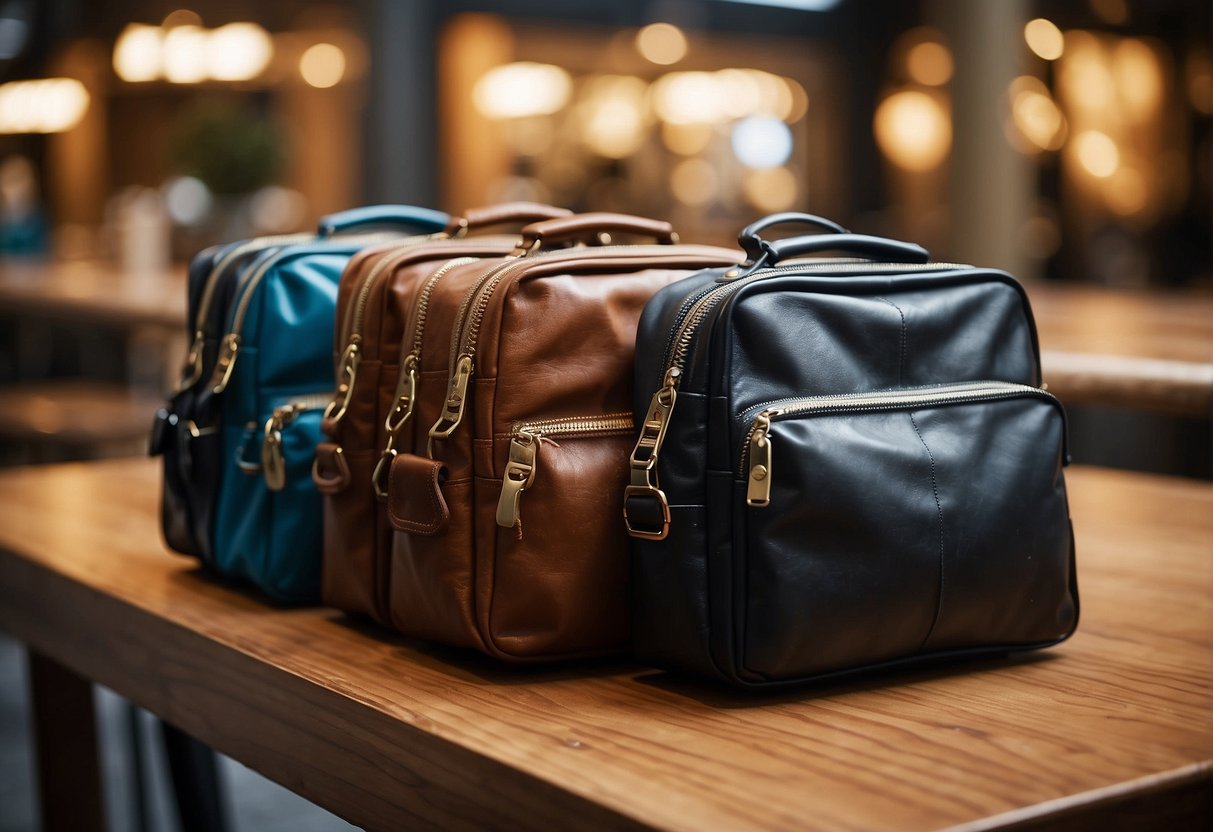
x=273, y=376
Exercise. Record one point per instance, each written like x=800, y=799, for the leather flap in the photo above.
x=415, y=501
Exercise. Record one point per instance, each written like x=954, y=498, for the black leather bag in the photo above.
x=848, y=464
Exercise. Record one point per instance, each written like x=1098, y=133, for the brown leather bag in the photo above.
x=507, y=511
x=376, y=296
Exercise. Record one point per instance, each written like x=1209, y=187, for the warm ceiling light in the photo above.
x=238, y=52
x=185, y=54
x=913, y=130
x=1044, y=38
x=522, y=89
x=929, y=63
x=181, y=17
x=137, y=54
x=611, y=115
x=322, y=65
x=661, y=43
x=772, y=189
x=1097, y=153
x=49, y=105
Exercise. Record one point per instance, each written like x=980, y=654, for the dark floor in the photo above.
x=253, y=803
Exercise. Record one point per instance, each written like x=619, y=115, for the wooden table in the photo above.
x=391, y=734
x=1135, y=349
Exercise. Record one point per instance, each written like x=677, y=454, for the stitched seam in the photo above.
x=901, y=355
x=901, y=364
x=939, y=513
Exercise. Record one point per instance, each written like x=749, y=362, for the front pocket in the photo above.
x=560, y=558
x=902, y=523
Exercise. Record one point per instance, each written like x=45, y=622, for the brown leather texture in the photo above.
x=556, y=341
x=357, y=533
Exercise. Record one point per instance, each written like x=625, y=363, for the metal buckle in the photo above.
x=652, y=492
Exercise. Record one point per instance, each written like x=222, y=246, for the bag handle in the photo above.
x=474, y=219
x=874, y=248
x=751, y=243
x=590, y=228
x=422, y=220
x=762, y=253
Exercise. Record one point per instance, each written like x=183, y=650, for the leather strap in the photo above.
x=330, y=471
x=588, y=227
x=474, y=219
x=415, y=501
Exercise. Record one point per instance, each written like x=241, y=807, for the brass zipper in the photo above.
x=645, y=454
x=406, y=381
x=466, y=331
x=523, y=463
x=192, y=370
x=229, y=349
x=351, y=356
x=756, y=451
x=273, y=462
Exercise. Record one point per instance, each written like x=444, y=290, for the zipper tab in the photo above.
x=758, y=489
x=225, y=363
x=406, y=393
x=273, y=461
x=396, y=419
x=518, y=477
x=348, y=374
x=644, y=484
x=456, y=400
x=191, y=372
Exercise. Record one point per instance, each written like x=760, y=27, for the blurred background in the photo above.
x=1070, y=142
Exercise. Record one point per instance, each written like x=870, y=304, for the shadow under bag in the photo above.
x=847, y=465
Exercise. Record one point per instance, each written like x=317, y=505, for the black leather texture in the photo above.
x=897, y=533
x=185, y=431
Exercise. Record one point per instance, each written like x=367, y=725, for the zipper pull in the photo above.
x=452, y=409
x=644, y=484
x=225, y=363
x=191, y=372
x=406, y=392
x=758, y=489
x=350, y=360
x=519, y=475
x=273, y=462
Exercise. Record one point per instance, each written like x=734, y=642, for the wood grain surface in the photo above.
x=389, y=733
x=1131, y=349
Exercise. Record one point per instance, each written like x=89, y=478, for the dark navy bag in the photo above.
x=238, y=436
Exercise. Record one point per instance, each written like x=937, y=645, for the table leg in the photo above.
x=65, y=745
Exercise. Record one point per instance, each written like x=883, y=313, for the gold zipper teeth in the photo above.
x=208, y=292
x=886, y=400
x=389, y=259
x=578, y=424
x=421, y=308
x=250, y=287
x=467, y=328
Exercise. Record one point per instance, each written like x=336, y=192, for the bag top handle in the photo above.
x=421, y=220
x=590, y=228
x=474, y=219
